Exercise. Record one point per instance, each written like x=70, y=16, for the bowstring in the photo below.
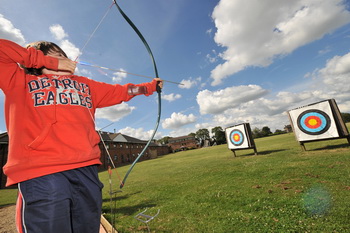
x=94, y=31
x=105, y=146
x=92, y=117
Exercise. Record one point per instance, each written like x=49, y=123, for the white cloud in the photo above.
x=139, y=133
x=181, y=132
x=119, y=76
x=114, y=113
x=217, y=102
x=178, y=120
x=82, y=71
x=332, y=81
x=212, y=58
x=58, y=32
x=189, y=83
x=171, y=97
x=336, y=73
x=9, y=32
x=329, y=82
x=68, y=47
x=254, y=33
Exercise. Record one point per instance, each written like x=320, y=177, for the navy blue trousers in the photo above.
x=64, y=202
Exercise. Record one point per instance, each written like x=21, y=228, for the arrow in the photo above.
x=122, y=71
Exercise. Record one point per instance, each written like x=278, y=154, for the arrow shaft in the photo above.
x=122, y=71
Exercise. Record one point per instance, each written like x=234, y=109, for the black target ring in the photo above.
x=236, y=137
x=314, y=122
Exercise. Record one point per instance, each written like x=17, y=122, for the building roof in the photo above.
x=119, y=137
x=181, y=138
x=4, y=138
x=124, y=138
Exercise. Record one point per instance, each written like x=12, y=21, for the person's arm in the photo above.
x=12, y=53
x=105, y=95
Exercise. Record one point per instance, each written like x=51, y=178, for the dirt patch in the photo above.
x=7, y=219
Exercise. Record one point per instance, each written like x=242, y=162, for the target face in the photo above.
x=314, y=122
x=239, y=137
x=236, y=137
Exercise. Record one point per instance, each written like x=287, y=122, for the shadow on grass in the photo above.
x=129, y=210
x=119, y=196
x=329, y=147
x=266, y=152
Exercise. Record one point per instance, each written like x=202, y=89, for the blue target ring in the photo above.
x=314, y=122
x=236, y=137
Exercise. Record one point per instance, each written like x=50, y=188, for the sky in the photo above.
x=240, y=61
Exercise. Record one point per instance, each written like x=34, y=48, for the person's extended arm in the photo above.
x=107, y=94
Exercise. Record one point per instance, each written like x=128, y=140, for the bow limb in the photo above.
x=158, y=90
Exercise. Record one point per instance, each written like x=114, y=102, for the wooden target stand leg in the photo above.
x=302, y=146
x=234, y=152
x=254, y=148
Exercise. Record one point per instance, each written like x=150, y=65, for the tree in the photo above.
x=202, y=135
x=218, y=135
x=278, y=131
x=346, y=117
x=265, y=131
x=164, y=140
x=192, y=134
x=256, y=133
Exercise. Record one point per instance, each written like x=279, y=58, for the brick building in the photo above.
x=183, y=143
x=124, y=149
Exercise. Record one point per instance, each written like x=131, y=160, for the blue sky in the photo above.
x=239, y=60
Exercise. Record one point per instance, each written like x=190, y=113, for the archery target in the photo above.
x=314, y=122
x=237, y=137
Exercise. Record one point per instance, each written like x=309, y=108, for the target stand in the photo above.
x=239, y=137
x=318, y=121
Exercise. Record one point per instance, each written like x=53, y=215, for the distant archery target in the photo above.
x=239, y=137
x=236, y=137
x=313, y=122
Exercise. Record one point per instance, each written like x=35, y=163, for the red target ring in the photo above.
x=314, y=122
x=236, y=137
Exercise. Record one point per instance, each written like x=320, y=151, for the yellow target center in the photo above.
x=236, y=137
x=312, y=122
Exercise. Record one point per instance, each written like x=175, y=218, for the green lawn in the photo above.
x=283, y=189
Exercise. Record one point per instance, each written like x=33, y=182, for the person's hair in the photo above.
x=46, y=47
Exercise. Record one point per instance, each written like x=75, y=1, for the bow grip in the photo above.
x=159, y=90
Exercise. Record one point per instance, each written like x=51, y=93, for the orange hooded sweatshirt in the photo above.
x=49, y=118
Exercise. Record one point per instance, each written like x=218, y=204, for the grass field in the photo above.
x=282, y=189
